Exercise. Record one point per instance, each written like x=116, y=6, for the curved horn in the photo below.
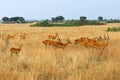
x=105, y=37
x=100, y=37
x=59, y=39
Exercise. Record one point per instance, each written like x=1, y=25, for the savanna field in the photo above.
x=75, y=62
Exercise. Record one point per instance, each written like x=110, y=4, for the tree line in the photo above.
x=13, y=20
x=82, y=20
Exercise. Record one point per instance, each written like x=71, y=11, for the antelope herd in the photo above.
x=6, y=37
x=94, y=43
x=55, y=42
x=97, y=42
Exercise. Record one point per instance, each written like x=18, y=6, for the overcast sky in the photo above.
x=70, y=9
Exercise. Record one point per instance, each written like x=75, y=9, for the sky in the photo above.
x=70, y=9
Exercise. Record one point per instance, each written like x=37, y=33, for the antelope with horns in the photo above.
x=56, y=44
x=100, y=44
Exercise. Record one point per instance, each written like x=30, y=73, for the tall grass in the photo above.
x=73, y=63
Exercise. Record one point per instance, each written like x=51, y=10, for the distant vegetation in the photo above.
x=113, y=29
x=13, y=20
x=59, y=21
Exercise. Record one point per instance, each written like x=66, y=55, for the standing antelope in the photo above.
x=53, y=37
x=56, y=44
x=100, y=44
x=82, y=41
x=62, y=45
x=16, y=50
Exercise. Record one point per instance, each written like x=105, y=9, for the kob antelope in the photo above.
x=56, y=44
x=53, y=37
x=7, y=37
x=83, y=41
x=15, y=50
x=100, y=44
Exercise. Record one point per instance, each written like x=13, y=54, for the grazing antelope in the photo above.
x=16, y=50
x=53, y=37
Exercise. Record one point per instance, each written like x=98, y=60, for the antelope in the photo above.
x=23, y=36
x=53, y=37
x=100, y=44
x=6, y=37
x=15, y=50
x=62, y=45
x=56, y=44
x=82, y=41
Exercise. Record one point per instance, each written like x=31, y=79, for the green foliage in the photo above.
x=17, y=19
x=48, y=24
x=5, y=19
x=57, y=19
x=85, y=22
x=44, y=23
x=113, y=29
x=100, y=18
x=83, y=18
x=68, y=23
x=113, y=21
x=13, y=20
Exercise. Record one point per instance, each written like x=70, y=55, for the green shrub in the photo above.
x=69, y=23
x=114, y=29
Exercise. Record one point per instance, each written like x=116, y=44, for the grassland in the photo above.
x=73, y=63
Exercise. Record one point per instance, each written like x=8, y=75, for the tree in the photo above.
x=21, y=20
x=53, y=19
x=100, y=18
x=83, y=18
x=58, y=18
x=17, y=19
x=5, y=19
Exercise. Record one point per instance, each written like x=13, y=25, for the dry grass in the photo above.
x=73, y=63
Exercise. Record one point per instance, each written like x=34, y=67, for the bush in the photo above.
x=68, y=23
x=113, y=29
